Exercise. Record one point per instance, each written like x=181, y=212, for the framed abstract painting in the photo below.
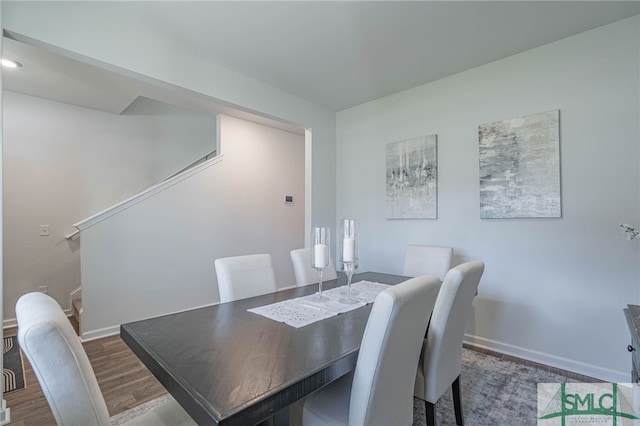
x=412, y=173
x=520, y=167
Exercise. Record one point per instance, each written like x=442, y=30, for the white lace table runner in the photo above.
x=304, y=310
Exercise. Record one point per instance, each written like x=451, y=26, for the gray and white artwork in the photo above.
x=520, y=167
x=412, y=178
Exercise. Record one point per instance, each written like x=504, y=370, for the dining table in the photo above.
x=228, y=366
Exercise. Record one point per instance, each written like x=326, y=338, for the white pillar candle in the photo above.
x=321, y=259
x=349, y=249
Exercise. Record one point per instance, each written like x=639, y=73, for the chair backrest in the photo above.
x=59, y=361
x=441, y=359
x=305, y=274
x=427, y=260
x=240, y=277
x=382, y=389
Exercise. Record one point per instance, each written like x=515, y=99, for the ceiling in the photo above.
x=337, y=54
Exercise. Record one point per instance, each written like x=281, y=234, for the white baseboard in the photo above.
x=287, y=288
x=12, y=322
x=99, y=334
x=85, y=337
x=567, y=364
x=115, y=329
x=8, y=323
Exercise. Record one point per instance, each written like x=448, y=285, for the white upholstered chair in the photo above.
x=240, y=277
x=441, y=358
x=64, y=372
x=380, y=391
x=427, y=260
x=305, y=274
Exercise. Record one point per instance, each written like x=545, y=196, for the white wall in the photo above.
x=86, y=31
x=139, y=47
x=64, y=163
x=553, y=290
x=158, y=255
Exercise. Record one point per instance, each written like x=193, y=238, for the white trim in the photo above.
x=72, y=236
x=550, y=360
x=8, y=323
x=99, y=217
x=287, y=288
x=100, y=333
x=308, y=181
x=192, y=164
x=75, y=294
x=481, y=342
x=5, y=413
x=218, y=137
x=115, y=329
x=13, y=322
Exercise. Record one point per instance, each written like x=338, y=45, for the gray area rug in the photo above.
x=13, y=366
x=494, y=393
x=163, y=410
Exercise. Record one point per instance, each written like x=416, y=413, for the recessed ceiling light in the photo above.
x=10, y=63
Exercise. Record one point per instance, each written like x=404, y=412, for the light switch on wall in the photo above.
x=44, y=230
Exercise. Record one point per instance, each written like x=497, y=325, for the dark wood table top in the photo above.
x=227, y=366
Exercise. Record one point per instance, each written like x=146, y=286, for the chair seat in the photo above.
x=331, y=405
x=165, y=411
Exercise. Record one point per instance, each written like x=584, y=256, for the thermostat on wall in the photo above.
x=288, y=199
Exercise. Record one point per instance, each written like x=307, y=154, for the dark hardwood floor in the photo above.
x=125, y=383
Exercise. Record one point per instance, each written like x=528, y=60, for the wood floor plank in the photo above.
x=125, y=383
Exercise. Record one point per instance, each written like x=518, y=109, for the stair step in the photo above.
x=76, y=308
x=77, y=303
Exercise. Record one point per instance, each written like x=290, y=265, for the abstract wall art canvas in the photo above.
x=520, y=167
x=412, y=178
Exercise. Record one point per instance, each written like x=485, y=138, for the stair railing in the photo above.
x=193, y=163
x=75, y=234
